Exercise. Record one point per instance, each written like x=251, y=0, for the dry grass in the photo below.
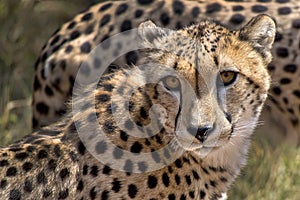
x=272, y=171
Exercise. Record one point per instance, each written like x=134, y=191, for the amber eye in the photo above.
x=228, y=77
x=171, y=82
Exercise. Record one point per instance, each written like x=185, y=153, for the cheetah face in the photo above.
x=212, y=73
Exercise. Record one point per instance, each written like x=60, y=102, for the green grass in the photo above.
x=273, y=169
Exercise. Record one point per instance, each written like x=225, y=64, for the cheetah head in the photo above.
x=211, y=82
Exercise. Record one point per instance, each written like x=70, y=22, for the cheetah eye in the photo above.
x=228, y=77
x=171, y=82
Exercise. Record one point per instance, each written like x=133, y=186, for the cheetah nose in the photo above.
x=200, y=133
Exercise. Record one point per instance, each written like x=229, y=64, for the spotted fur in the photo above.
x=92, y=152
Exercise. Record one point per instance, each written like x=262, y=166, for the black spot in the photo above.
x=297, y=93
x=277, y=90
x=4, y=163
x=123, y=135
x=214, y=7
x=57, y=151
x=282, y=1
x=237, y=8
x=81, y=148
x=42, y=154
x=108, y=127
x=106, y=170
x=85, y=169
x=94, y=171
x=103, y=98
x=49, y=91
x=166, y=179
x=89, y=29
x=212, y=168
x=282, y=52
x=195, y=12
x=278, y=36
x=143, y=113
x=36, y=84
x=101, y=147
x=80, y=185
x=14, y=194
x=105, y=7
x=64, y=173
x=12, y=171
x=105, y=19
x=177, y=179
x=87, y=17
x=128, y=167
x=138, y=13
x=74, y=35
x=296, y=23
x=291, y=68
x=46, y=193
x=188, y=179
x=192, y=194
x=131, y=58
x=41, y=178
x=3, y=183
x=205, y=170
x=136, y=147
x=196, y=175
x=171, y=197
x=116, y=185
x=212, y=183
x=145, y=2
x=152, y=182
x=28, y=186
x=259, y=8
x=104, y=195
x=237, y=19
x=183, y=197
x=284, y=11
x=178, y=7
x=63, y=194
x=85, y=47
x=108, y=87
x=223, y=179
x=52, y=164
x=285, y=81
x=178, y=163
x=71, y=25
x=27, y=166
x=126, y=25
x=118, y=153
x=69, y=48
x=55, y=40
x=132, y=191
x=165, y=19
x=42, y=108
x=264, y=1
x=202, y=194
x=121, y=9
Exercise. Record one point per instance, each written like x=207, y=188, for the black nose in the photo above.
x=200, y=133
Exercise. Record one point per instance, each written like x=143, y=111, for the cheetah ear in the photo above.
x=260, y=30
x=150, y=34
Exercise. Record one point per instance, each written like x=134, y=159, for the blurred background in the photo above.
x=273, y=169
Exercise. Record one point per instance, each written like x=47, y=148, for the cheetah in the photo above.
x=171, y=127
x=61, y=57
